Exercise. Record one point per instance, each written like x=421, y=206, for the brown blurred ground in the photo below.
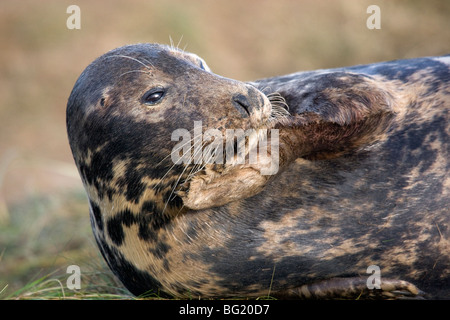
x=43, y=213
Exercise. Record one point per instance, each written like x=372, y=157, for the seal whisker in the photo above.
x=173, y=188
x=193, y=157
x=200, y=167
x=169, y=155
x=182, y=172
x=262, y=89
x=134, y=59
x=167, y=172
x=278, y=99
x=179, y=42
x=193, y=145
x=172, y=44
x=173, y=165
x=131, y=71
x=203, y=164
x=280, y=108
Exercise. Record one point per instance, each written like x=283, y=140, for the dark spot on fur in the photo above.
x=198, y=283
x=134, y=191
x=172, y=199
x=115, y=231
x=151, y=220
x=166, y=265
x=115, y=224
x=168, y=195
x=97, y=215
x=136, y=281
x=116, y=139
x=160, y=250
x=149, y=207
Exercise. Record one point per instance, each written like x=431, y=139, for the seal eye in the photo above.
x=153, y=96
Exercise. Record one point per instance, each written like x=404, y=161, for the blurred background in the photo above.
x=44, y=221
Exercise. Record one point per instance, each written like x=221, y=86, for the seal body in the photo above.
x=363, y=177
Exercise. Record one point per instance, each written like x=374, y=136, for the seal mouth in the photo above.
x=237, y=145
x=250, y=157
x=253, y=159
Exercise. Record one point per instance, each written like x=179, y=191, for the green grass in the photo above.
x=51, y=287
x=43, y=236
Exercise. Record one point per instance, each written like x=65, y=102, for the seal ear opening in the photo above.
x=106, y=100
x=340, y=113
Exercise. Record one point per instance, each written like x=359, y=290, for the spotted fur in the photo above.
x=364, y=180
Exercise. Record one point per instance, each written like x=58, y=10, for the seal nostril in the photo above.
x=242, y=104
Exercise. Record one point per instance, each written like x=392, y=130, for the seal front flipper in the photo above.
x=204, y=192
x=356, y=288
x=334, y=113
x=242, y=177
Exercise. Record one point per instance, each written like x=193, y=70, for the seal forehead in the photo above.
x=151, y=58
x=126, y=64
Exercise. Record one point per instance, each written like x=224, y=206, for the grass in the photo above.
x=42, y=238
x=96, y=286
x=51, y=287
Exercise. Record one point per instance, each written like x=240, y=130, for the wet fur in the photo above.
x=364, y=178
